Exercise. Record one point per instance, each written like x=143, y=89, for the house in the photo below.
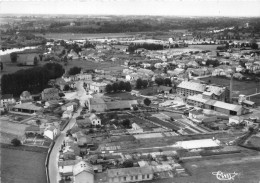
x=73, y=55
x=94, y=119
x=6, y=99
x=51, y=132
x=83, y=123
x=133, y=174
x=226, y=108
x=164, y=89
x=83, y=172
x=68, y=107
x=50, y=94
x=189, y=88
x=219, y=106
x=84, y=76
x=235, y=120
x=26, y=96
x=96, y=104
x=32, y=129
x=98, y=87
x=135, y=93
x=26, y=108
x=135, y=129
x=66, y=167
x=67, y=114
x=132, y=77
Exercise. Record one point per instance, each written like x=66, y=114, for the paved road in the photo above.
x=54, y=155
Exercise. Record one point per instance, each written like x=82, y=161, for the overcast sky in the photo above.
x=134, y=7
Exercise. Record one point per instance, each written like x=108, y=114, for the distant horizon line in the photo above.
x=62, y=14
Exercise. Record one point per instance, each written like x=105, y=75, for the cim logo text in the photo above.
x=224, y=176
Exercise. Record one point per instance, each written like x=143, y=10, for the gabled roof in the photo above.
x=223, y=105
x=192, y=86
x=82, y=166
x=28, y=106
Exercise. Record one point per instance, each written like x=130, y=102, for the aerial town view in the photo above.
x=130, y=91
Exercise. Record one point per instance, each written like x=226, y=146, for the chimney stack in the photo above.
x=231, y=88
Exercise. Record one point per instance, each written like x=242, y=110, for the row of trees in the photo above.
x=141, y=83
x=132, y=47
x=162, y=81
x=74, y=71
x=33, y=79
x=116, y=87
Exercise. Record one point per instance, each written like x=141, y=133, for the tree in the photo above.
x=254, y=46
x=145, y=83
x=147, y=101
x=159, y=81
x=38, y=122
x=167, y=82
x=40, y=56
x=121, y=86
x=128, y=86
x=1, y=66
x=14, y=57
x=61, y=94
x=35, y=61
x=126, y=123
x=128, y=163
x=66, y=88
x=115, y=87
x=109, y=88
x=16, y=142
x=139, y=83
x=74, y=70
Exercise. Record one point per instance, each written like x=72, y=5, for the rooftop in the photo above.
x=82, y=166
x=192, y=86
x=28, y=106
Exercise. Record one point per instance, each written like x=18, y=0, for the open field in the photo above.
x=68, y=36
x=10, y=67
x=239, y=87
x=20, y=165
x=205, y=47
x=107, y=66
x=9, y=130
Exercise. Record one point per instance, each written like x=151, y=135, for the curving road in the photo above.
x=54, y=155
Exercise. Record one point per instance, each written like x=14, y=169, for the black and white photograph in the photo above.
x=130, y=91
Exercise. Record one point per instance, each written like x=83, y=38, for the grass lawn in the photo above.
x=205, y=47
x=201, y=171
x=85, y=64
x=20, y=166
x=239, y=87
x=9, y=130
